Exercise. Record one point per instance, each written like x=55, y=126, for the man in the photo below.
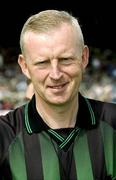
x=58, y=134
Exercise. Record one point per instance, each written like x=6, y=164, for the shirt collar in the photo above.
x=85, y=117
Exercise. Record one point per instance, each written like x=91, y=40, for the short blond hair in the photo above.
x=47, y=20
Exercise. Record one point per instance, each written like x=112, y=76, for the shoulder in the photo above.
x=13, y=119
x=11, y=125
x=106, y=111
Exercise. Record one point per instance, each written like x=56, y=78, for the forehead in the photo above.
x=62, y=31
x=64, y=35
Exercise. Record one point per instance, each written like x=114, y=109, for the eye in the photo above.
x=66, y=61
x=43, y=63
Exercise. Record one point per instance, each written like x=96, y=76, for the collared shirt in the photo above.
x=31, y=150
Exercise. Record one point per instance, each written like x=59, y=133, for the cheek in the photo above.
x=39, y=75
x=75, y=71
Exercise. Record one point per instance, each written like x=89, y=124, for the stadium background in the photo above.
x=99, y=29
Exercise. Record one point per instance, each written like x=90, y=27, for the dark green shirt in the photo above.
x=30, y=150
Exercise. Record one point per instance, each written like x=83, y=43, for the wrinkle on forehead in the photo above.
x=61, y=39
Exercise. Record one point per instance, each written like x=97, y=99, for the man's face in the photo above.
x=54, y=64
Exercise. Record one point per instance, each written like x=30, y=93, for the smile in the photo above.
x=58, y=87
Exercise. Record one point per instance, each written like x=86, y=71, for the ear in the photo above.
x=85, y=57
x=24, y=67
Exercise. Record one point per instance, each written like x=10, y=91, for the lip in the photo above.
x=58, y=87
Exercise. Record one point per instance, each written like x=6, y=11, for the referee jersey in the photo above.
x=30, y=150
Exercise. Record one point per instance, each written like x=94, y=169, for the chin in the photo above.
x=58, y=101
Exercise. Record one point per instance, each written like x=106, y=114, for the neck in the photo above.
x=58, y=116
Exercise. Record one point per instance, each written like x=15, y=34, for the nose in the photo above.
x=55, y=71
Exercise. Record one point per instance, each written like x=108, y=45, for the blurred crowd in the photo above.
x=99, y=80
x=100, y=77
x=13, y=83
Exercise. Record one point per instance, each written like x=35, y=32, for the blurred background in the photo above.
x=98, y=25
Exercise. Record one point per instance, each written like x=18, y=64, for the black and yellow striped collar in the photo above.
x=85, y=118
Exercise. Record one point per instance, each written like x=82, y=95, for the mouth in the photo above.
x=58, y=87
